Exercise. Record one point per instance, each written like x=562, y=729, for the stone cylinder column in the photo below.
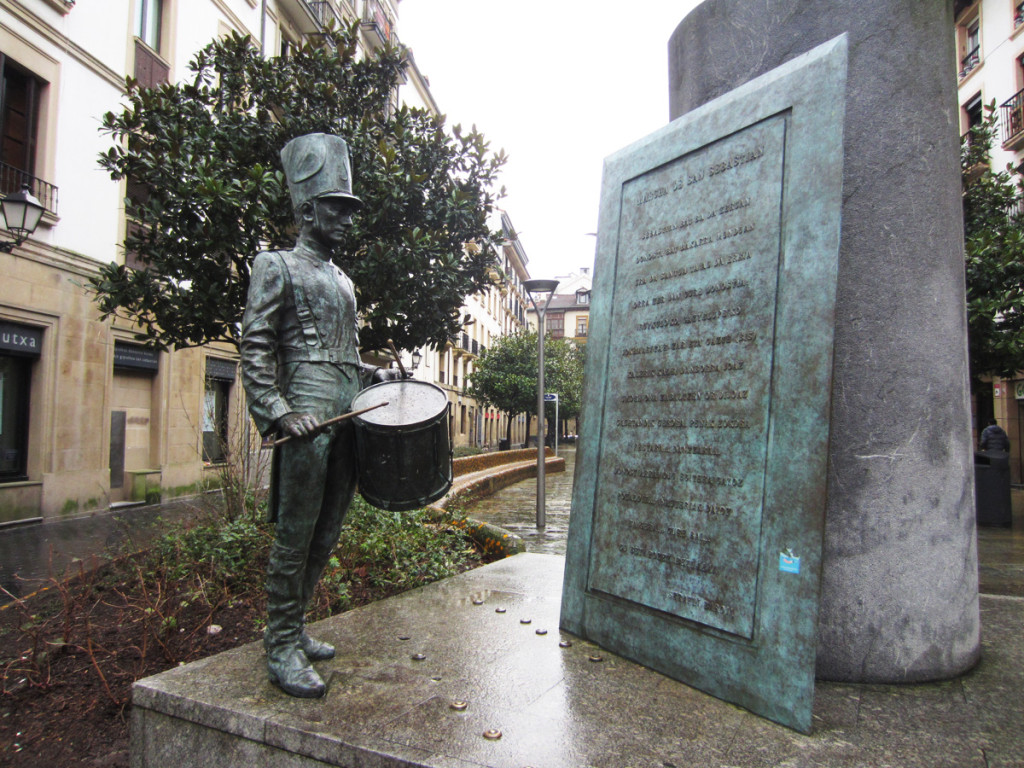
x=900, y=580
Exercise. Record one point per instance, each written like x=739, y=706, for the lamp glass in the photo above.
x=22, y=212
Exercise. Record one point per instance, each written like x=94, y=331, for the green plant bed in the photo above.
x=70, y=653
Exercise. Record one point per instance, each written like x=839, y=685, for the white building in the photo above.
x=990, y=68
x=87, y=417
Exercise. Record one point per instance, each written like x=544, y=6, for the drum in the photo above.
x=403, y=450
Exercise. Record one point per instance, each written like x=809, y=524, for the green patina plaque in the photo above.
x=698, y=511
x=678, y=510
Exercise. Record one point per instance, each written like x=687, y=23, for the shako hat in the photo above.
x=317, y=165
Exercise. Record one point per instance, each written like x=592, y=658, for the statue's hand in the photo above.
x=302, y=425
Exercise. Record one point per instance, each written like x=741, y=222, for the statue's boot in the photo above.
x=319, y=555
x=287, y=665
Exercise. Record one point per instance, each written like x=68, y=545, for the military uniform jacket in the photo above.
x=300, y=309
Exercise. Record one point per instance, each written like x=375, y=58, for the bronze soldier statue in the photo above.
x=301, y=367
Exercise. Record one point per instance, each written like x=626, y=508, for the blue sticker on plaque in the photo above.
x=789, y=563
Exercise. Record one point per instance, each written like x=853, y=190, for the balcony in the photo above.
x=1011, y=122
x=969, y=62
x=12, y=178
x=324, y=11
x=380, y=28
x=310, y=16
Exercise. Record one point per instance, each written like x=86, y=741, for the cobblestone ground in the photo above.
x=515, y=508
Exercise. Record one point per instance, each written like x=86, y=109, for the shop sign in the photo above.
x=221, y=370
x=23, y=339
x=135, y=356
x=1018, y=390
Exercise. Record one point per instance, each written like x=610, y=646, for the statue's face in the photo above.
x=333, y=217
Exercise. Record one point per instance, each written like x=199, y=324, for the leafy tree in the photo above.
x=206, y=192
x=505, y=377
x=994, y=248
x=563, y=363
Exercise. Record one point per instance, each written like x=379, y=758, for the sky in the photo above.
x=559, y=86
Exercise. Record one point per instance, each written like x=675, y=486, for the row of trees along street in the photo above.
x=994, y=250
x=506, y=378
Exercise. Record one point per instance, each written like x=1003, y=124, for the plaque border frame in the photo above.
x=773, y=676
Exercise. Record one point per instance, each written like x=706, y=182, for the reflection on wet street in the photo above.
x=1001, y=554
x=515, y=508
x=31, y=554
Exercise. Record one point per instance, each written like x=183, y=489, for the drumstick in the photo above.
x=323, y=424
x=397, y=358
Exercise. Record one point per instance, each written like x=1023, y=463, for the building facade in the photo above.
x=990, y=70
x=90, y=418
x=497, y=311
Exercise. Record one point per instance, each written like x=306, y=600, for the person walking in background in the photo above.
x=994, y=438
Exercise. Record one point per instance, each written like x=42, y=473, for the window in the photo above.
x=971, y=36
x=582, y=297
x=581, y=325
x=1018, y=15
x=148, y=14
x=19, y=116
x=555, y=325
x=15, y=378
x=150, y=70
x=974, y=112
x=20, y=345
x=220, y=374
x=215, y=420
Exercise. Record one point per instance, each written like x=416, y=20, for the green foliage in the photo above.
x=994, y=250
x=207, y=191
x=227, y=552
x=563, y=363
x=506, y=376
x=393, y=551
x=400, y=550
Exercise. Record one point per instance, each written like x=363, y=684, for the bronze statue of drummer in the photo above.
x=300, y=368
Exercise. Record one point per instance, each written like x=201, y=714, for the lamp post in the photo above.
x=22, y=213
x=544, y=290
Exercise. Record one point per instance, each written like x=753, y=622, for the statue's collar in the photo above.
x=313, y=251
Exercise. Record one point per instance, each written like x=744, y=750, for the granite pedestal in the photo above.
x=554, y=706
x=899, y=579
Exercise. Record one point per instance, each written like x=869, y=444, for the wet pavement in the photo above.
x=515, y=508
x=474, y=672
x=32, y=554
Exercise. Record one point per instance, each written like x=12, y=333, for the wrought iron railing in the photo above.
x=11, y=180
x=324, y=10
x=970, y=61
x=375, y=15
x=1011, y=116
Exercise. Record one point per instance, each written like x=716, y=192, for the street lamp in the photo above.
x=543, y=290
x=22, y=213
x=417, y=356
